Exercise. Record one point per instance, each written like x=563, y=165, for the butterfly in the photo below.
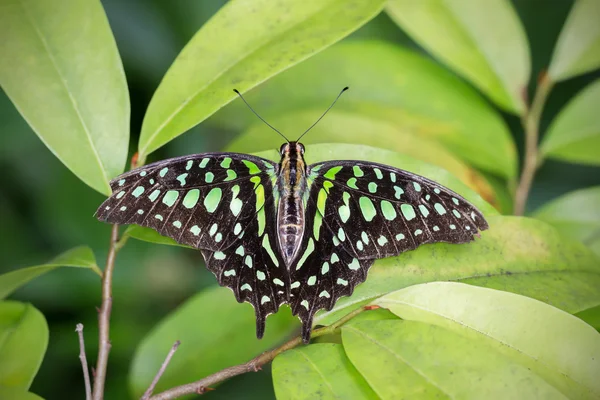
x=288, y=232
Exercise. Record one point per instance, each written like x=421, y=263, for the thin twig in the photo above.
x=104, y=316
x=84, y=364
x=531, y=126
x=161, y=371
x=254, y=365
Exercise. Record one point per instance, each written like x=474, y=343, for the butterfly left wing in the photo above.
x=357, y=212
x=220, y=203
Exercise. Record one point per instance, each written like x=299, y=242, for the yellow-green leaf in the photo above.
x=388, y=83
x=398, y=358
x=484, y=41
x=60, y=66
x=80, y=257
x=320, y=371
x=245, y=43
x=575, y=215
x=578, y=48
x=575, y=133
x=558, y=347
x=23, y=342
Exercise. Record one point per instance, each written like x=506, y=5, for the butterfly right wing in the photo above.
x=220, y=203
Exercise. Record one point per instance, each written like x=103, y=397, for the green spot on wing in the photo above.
x=309, y=249
x=267, y=246
x=191, y=198
x=358, y=172
x=231, y=175
x=226, y=162
x=408, y=211
x=170, y=197
x=352, y=183
x=367, y=208
x=212, y=199
x=138, y=191
x=252, y=168
x=331, y=173
x=388, y=210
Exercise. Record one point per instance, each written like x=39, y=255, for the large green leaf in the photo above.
x=516, y=254
x=345, y=127
x=404, y=358
x=576, y=214
x=62, y=70
x=555, y=345
x=483, y=41
x=578, y=48
x=322, y=152
x=215, y=332
x=575, y=133
x=242, y=45
x=320, y=371
x=81, y=257
x=23, y=341
x=390, y=83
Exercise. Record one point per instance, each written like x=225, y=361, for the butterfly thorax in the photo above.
x=291, y=184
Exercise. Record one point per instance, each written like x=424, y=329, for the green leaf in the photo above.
x=17, y=394
x=215, y=332
x=575, y=215
x=578, y=48
x=399, y=358
x=555, y=345
x=575, y=133
x=345, y=127
x=23, y=342
x=319, y=371
x=340, y=151
x=245, y=43
x=591, y=316
x=62, y=70
x=390, y=83
x=482, y=41
x=519, y=255
x=80, y=257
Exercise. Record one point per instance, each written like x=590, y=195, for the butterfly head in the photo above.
x=291, y=149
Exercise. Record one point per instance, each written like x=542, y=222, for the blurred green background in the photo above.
x=45, y=209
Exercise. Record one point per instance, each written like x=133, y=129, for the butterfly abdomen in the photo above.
x=290, y=216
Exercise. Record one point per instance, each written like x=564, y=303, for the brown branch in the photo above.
x=161, y=371
x=104, y=316
x=84, y=364
x=254, y=365
x=531, y=124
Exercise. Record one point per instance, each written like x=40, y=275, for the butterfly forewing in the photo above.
x=221, y=203
x=358, y=212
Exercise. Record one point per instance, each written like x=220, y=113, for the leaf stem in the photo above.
x=104, y=316
x=531, y=124
x=203, y=385
x=84, y=363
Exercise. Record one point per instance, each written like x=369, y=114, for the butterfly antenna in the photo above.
x=261, y=118
x=326, y=111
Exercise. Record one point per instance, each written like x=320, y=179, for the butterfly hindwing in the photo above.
x=221, y=203
x=357, y=212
